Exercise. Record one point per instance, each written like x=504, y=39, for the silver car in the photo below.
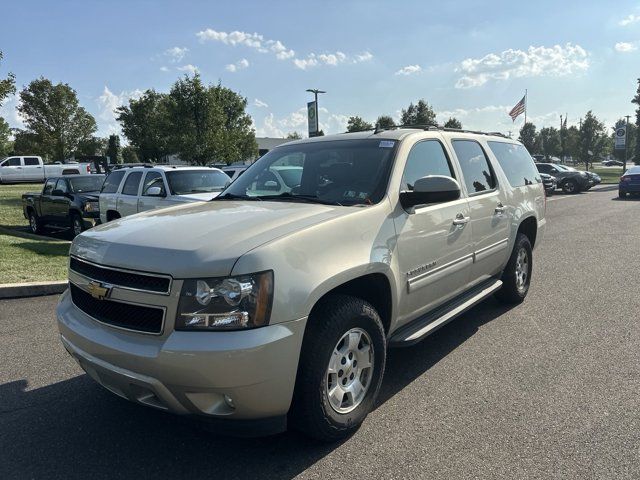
x=270, y=307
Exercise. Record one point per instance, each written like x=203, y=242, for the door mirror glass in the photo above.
x=154, y=192
x=553, y=170
x=431, y=189
x=58, y=193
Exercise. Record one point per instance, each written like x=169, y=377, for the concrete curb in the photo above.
x=31, y=289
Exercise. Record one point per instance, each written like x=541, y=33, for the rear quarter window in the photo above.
x=516, y=163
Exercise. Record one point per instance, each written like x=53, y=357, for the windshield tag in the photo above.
x=386, y=144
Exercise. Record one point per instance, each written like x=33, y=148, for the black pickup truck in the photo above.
x=68, y=202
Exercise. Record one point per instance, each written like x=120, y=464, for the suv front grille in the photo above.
x=117, y=314
x=121, y=278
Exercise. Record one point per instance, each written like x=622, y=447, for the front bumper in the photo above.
x=241, y=375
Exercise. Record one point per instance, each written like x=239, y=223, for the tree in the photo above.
x=209, y=123
x=6, y=145
x=358, y=124
x=528, y=136
x=592, y=139
x=54, y=116
x=385, y=121
x=25, y=143
x=293, y=136
x=129, y=154
x=92, y=146
x=631, y=141
x=548, y=142
x=572, y=142
x=453, y=123
x=420, y=114
x=146, y=124
x=113, y=149
x=7, y=85
x=636, y=149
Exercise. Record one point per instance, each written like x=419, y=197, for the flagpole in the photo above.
x=525, y=106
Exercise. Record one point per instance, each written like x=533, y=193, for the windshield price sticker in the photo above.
x=386, y=144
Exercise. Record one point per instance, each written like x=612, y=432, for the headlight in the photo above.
x=91, y=207
x=231, y=303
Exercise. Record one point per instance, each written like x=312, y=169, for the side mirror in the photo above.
x=271, y=184
x=57, y=193
x=431, y=189
x=553, y=170
x=154, y=192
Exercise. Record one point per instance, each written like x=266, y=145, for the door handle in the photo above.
x=461, y=220
x=500, y=208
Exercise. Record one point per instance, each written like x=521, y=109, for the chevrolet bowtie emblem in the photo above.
x=98, y=290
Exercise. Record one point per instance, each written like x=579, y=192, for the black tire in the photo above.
x=34, y=223
x=513, y=291
x=76, y=225
x=622, y=194
x=112, y=215
x=312, y=412
x=570, y=186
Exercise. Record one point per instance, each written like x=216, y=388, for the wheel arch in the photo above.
x=529, y=227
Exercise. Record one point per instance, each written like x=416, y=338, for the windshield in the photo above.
x=342, y=172
x=184, y=182
x=87, y=184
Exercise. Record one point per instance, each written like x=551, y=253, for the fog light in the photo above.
x=229, y=401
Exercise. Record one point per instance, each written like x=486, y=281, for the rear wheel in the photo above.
x=341, y=368
x=622, y=194
x=516, y=277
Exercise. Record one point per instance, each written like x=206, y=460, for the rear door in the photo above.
x=127, y=201
x=434, y=254
x=32, y=169
x=149, y=201
x=109, y=193
x=488, y=208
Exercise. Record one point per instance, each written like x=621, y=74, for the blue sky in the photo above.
x=469, y=59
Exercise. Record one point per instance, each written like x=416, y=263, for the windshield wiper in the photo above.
x=287, y=196
x=233, y=196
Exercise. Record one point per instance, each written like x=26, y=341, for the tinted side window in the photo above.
x=478, y=176
x=62, y=186
x=112, y=182
x=516, y=163
x=543, y=168
x=48, y=187
x=31, y=161
x=132, y=183
x=12, y=162
x=425, y=158
x=153, y=179
x=229, y=173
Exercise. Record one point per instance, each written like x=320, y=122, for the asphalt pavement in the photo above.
x=548, y=389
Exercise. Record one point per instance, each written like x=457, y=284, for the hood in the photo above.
x=201, y=197
x=197, y=239
x=88, y=196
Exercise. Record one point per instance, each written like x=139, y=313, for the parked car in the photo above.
x=235, y=172
x=613, y=163
x=66, y=202
x=595, y=178
x=629, y=182
x=131, y=190
x=569, y=179
x=550, y=183
x=254, y=310
x=33, y=169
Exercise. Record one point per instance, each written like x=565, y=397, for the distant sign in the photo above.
x=312, y=115
x=621, y=138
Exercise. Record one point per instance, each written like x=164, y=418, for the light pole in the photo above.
x=626, y=141
x=315, y=92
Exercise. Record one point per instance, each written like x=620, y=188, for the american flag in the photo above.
x=518, y=109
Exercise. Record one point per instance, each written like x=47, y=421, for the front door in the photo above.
x=434, y=253
x=488, y=210
x=59, y=205
x=11, y=170
x=149, y=201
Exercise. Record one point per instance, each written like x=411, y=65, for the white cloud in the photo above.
x=629, y=19
x=259, y=103
x=164, y=69
x=9, y=111
x=535, y=61
x=409, y=70
x=363, y=57
x=297, y=121
x=176, y=54
x=107, y=104
x=625, y=47
x=239, y=65
x=192, y=69
x=269, y=128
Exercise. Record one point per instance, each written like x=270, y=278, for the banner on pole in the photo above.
x=621, y=137
x=312, y=115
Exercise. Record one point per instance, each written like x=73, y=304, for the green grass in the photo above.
x=608, y=174
x=24, y=259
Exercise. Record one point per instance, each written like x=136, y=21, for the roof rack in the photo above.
x=478, y=132
x=433, y=126
x=133, y=165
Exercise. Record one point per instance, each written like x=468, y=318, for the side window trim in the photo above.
x=491, y=168
x=144, y=181
x=62, y=182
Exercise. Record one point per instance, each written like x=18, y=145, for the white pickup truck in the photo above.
x=33, y=169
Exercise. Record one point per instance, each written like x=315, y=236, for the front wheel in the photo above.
x=622, y=194
x=76, y=227
x=34, y=223
x=516, y=277
x=341, y=368
x=570, y=186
